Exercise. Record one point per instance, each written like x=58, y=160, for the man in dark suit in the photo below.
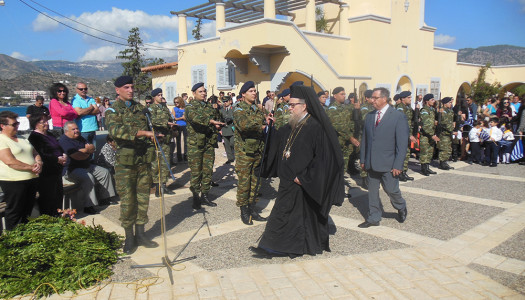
x=384, y=145
x=227, y=131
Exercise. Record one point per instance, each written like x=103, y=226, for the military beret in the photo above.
x=404, y=94
x=446, y=100
x=321, y=93
x=197, y=86
x=226, y=98
x=368, y=93
x=396, y=97
x=297, y=83
x=351, y=95
x=123, y=80
x=337, y=90
x=246, y=86
x=428, y=97
x=155, y=92
x=285, y=93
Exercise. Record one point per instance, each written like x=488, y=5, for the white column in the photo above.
x=343, y=20
x=183, y=29
x=269, y=9
x=310, y=15
x=220, y=16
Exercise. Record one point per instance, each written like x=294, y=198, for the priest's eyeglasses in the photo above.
x=292, y=105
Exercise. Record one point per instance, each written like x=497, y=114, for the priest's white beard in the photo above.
x=294, y=119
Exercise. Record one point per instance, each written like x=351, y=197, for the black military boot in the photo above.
x=130, y=244
x=406, y=176
x=196, y=201
x=402, y=177
x=141, y=238
x=429, y=170
x=255, y=215
x=443, y=165
x=424, y=170
x=246, y=217
x=206, y=201
x=166, y=190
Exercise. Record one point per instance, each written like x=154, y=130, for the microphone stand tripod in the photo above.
x=166, y=262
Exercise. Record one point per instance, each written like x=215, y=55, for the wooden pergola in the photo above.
x=240, y=11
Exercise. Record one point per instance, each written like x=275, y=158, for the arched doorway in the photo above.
x=464, y=91
x=307, y=79
x=404, y=84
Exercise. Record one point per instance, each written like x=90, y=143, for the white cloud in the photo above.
x=20, y=56
x=443, y=39
x=169, y=51
x=117, y=22
x=101, y=54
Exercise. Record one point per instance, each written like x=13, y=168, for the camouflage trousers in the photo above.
x=444, y=146
x=246, y=168
x=426, y=149
x=201, y=162
x=133, y=186
x=164, y=169
x=347, y=152
x=407, y=157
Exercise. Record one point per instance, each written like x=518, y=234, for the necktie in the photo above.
x=378, y=118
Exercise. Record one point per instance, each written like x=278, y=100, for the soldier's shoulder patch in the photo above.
x=189, y=104
x=364, y=108
x=332, y=107
x=149, y=108
x=424, y=112
x=280, y=109
x=110, y=109
x=237, y=108
x=400, y=108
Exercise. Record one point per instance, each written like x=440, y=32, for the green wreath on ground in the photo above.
x=55, y=254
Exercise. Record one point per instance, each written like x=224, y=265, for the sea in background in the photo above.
x=21, y=112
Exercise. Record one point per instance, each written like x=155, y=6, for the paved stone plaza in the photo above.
x=464, y=238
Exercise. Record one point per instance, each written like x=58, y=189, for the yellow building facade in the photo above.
x=366, y=44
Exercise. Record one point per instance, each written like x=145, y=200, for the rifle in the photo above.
x=356, y=115
x=415, y=121
x=438, y=126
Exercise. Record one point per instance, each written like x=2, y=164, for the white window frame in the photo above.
x=225, y=75
x=198, y=74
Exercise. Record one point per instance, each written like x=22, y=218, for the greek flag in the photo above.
x=484, y=135
x=517, y=152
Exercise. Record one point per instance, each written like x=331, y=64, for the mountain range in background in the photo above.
x=17, y=74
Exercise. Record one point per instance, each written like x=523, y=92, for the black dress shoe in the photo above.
x=90, y=210
x=406, y=176
x=402, y=215
x=366, y=224
x=213, y=183
x=402, y=177
x=493, y=165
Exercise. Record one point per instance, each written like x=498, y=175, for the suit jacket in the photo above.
x=227, y=117
x=384, y=147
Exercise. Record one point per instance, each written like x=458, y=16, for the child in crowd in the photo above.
x=506, y=144
x=491, y=145
x=475, y=142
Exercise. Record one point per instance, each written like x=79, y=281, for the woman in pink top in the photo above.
x=60, y=109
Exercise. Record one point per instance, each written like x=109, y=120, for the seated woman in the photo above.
x=20, y=165
x=50, y=186
x=107, y=156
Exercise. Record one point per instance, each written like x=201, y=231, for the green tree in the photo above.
x=520, y=91
x=321, y=24
x=196, y=32
x=481, y=90
x=133, y=61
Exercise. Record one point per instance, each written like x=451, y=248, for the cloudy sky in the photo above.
x=29, y=35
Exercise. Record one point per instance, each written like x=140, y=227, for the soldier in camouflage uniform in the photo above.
x=322, y=99
x=249, y=122
x=428, y=137
x=446, y=130
x=282, y=113
x=203, y=125
x=162, y=121
x=128, y=126
x=341, y=117
x=405, y=108
x=365, y=109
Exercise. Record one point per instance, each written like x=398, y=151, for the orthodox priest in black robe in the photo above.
x=306, y=156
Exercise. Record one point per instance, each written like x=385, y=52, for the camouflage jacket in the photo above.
x=281, y=114
x=200, y=132
x=341, y=117
x=123, y=120
x=428, y=117
x=409, y=113
x=447, y=121
x=248, y=121
x=160, y=116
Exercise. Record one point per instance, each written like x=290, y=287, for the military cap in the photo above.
x=155, y=92
x=337, y=90
x=246, y=86
x=396, y=97
x=285, y=93
x=368, y=93
x=404, y=94
x=297, y=83
x=446, y=100
x=351, y=95
x=226, y=98
x=123, y=80
x=428, y=97
x=321, y=93
x=197, y=86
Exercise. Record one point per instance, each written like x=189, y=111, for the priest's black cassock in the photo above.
x=298, y=223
